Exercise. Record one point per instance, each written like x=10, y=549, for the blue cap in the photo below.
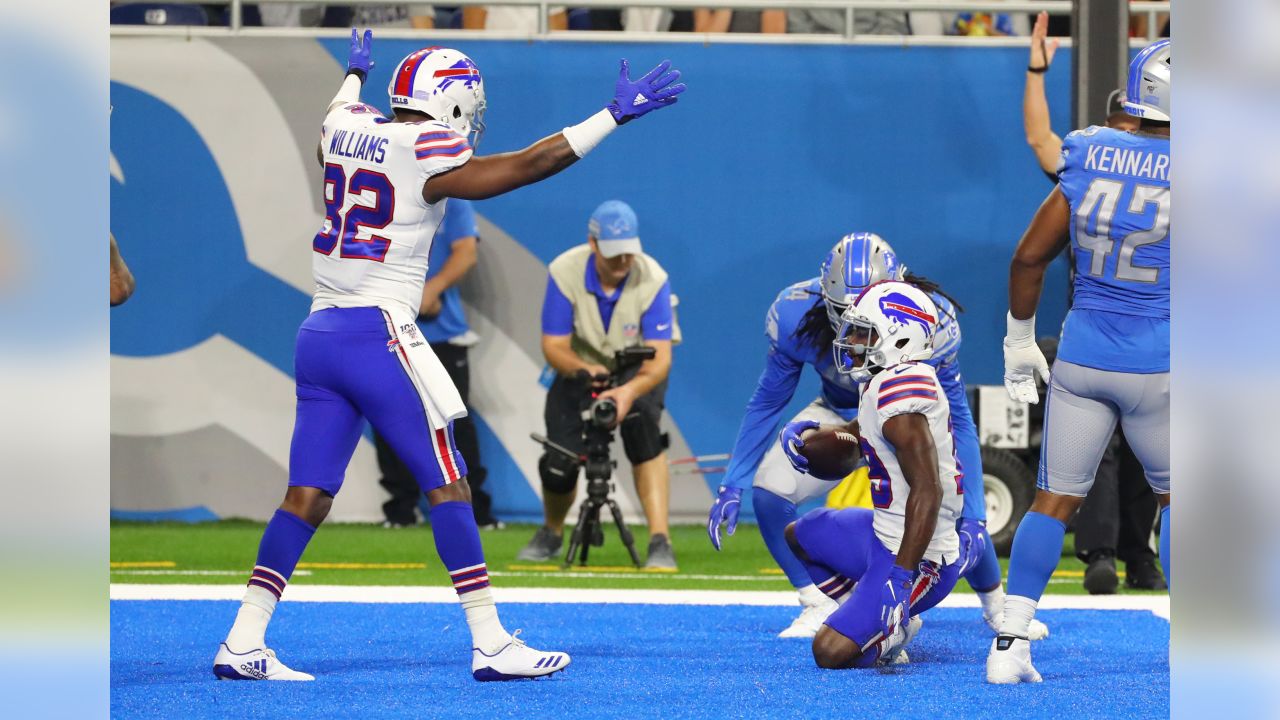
x=615, y=228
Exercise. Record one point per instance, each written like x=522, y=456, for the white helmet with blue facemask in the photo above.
x=857, y=262
x=1148, y=90
x=889, y=324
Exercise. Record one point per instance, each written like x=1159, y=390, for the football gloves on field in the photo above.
x=725, y=509
x=358, y=59
x=895, y=599
x=633, y=98
x=791, y=442
x=1023, y=361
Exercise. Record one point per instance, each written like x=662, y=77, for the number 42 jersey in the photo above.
x=1117, y=184
x=373, y=246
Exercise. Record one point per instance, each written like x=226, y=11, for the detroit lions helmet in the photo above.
x=857, y=262
x=1147, y=94
x=444, y=84
x=890, y=323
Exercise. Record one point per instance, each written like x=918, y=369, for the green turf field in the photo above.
x=355, y=554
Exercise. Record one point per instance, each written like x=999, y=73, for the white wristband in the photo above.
x=349, y=92
x=1020, y=333
x=586, y=135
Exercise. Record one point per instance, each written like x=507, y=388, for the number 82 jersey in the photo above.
x=373, y=245
x=1117, y=185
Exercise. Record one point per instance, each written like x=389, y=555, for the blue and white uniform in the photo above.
x=757, y=454
x=360, y=353
x=1113, y=359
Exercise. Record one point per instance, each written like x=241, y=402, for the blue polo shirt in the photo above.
x=557, y=311
x=459, y=222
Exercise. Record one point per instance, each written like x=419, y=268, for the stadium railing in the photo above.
x=236, y=26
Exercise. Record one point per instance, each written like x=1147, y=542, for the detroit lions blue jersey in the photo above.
x=1117, y=184
x=946, y=362
x=786, y=359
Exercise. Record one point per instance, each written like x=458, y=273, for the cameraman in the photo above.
x=602, y=297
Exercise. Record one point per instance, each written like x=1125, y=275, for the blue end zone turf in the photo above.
x=387, y=660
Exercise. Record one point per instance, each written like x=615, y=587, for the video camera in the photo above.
x=599, y=418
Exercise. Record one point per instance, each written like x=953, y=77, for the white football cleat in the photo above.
x=1009, y=661
x=1035, y=631
x=895, y=652
x=260, y=664
x=810, y=619
x=516, y=661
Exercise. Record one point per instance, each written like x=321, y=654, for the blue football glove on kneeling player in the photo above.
x=791, y=442
x=725, y=509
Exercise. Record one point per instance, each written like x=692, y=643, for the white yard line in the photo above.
x=1158, y=604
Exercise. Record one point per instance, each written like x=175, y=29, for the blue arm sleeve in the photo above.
x=655, y=323
x=759, y=426
x=557, y=311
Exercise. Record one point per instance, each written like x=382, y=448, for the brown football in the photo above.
x=832, y=454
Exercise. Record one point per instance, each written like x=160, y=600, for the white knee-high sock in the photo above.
x=250, y=629
x=487, y=633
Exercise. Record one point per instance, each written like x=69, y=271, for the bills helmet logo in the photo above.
x=463, y=71
x=903, y=311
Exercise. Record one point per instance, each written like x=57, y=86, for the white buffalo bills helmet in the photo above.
x=857, y=262
x=890, y=323
x=444, y=84
x=1147, y=94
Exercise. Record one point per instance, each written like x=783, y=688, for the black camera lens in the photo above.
x=604, y=412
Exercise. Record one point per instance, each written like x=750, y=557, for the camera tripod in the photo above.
x=589, y=530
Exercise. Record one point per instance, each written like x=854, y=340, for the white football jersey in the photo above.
x=373, y=246
x=902, y=389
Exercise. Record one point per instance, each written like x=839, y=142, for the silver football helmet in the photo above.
x=1147, y=93
x=857, y=262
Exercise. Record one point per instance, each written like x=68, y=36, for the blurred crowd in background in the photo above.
x=511, y=18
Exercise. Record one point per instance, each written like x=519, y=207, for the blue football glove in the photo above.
x=895, y=599
x=725, y=509
x=358, y=60
x=791, y=442
x=633, y=98
x=973, y=543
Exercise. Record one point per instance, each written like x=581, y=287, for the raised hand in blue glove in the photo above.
x=725, y=509
x=358, y=60
x=791, y=442
x=633, y=98
x=895, y=599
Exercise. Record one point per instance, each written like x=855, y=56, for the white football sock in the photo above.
x=1018, y=612
x=487, y=632
x=992, y=602
x=250, y=629
x=810, y=596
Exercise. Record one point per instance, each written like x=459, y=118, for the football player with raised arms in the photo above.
x=1112, y=206
x=801, y=325
x=884, y=567
x=359, y=354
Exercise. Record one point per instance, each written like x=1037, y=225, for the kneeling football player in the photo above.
x=886, y=566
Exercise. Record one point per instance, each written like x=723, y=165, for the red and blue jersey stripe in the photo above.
x=906, y=394
x=440, y=144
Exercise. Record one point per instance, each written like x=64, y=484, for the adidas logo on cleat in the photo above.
x=549, y=661
x=256, y=669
